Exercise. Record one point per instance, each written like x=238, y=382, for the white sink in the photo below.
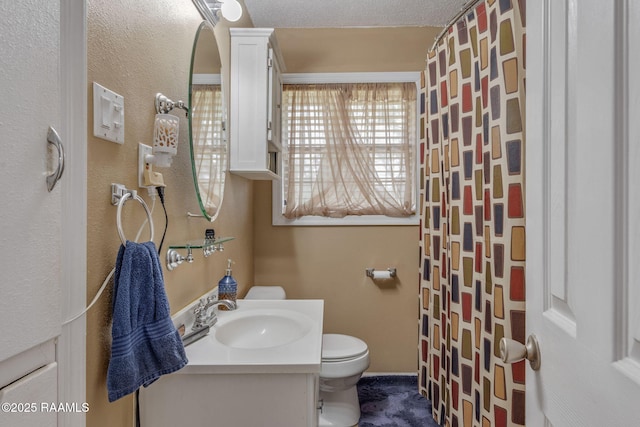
x=262, y=328
x=261, y=336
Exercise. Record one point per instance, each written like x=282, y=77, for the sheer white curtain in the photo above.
x=349, y=149
x=209, y=147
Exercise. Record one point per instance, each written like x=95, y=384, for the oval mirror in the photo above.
x=206, y=122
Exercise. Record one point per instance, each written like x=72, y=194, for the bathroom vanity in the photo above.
x=258, y=366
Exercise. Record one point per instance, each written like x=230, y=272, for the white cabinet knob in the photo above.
x=512, y=351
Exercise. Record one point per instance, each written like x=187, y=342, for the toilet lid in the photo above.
x=266, y=292
x=339, y=347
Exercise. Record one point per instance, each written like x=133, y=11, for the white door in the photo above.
x=30, y=215
x=583, y=212
x=38, y=90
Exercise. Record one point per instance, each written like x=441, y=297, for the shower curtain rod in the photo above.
x=455, y=19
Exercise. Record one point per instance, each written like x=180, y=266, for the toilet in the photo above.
x=344, y=359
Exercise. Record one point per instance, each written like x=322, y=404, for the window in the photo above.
x=349, y=153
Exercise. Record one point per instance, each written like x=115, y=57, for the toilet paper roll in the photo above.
x=381, y=275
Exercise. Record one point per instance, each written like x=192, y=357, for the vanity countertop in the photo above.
x=303, y=354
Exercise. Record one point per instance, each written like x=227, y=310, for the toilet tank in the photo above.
x=266, y=292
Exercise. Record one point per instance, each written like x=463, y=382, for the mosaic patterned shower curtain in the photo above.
x=473, y=225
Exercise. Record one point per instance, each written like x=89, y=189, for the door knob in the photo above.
x=512, y=351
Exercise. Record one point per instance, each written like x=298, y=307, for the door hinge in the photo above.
x=269, y=62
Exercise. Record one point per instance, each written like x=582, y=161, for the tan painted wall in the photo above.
x=137, y=49
x=329, y=263
x=341, y=50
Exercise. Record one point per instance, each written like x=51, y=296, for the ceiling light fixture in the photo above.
x=212, y=10
x=230, y=9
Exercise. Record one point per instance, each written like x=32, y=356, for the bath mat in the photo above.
x=393, y=401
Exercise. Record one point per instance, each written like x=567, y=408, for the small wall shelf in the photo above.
x=208, y=246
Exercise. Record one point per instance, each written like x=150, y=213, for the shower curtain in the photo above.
x=472, y=287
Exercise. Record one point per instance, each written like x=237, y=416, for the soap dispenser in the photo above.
x=227, y=286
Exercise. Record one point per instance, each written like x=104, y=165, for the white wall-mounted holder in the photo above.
x=165, y=140
x=165, y=143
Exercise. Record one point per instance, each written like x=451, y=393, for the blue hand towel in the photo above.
x=145, y=343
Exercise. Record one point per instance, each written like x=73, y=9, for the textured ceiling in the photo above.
x=351, y=13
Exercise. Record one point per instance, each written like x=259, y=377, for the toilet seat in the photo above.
x=341, y=348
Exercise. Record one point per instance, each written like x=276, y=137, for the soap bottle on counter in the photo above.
x=227, y=287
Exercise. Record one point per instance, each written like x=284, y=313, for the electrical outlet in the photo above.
x=147, y=178
x=143, y=150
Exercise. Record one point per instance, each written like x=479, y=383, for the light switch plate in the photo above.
x=108, y=114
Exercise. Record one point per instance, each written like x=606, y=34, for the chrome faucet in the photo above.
x=212, y=302
x=204, y=318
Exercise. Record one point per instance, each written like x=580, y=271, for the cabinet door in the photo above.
x=31, y=401
x=255, y=104
x=274, y=101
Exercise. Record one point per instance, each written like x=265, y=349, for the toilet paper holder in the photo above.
x=371, y=272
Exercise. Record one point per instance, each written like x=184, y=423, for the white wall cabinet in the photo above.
x=256, y=93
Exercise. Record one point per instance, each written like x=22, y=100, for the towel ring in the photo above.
x=121, y=203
